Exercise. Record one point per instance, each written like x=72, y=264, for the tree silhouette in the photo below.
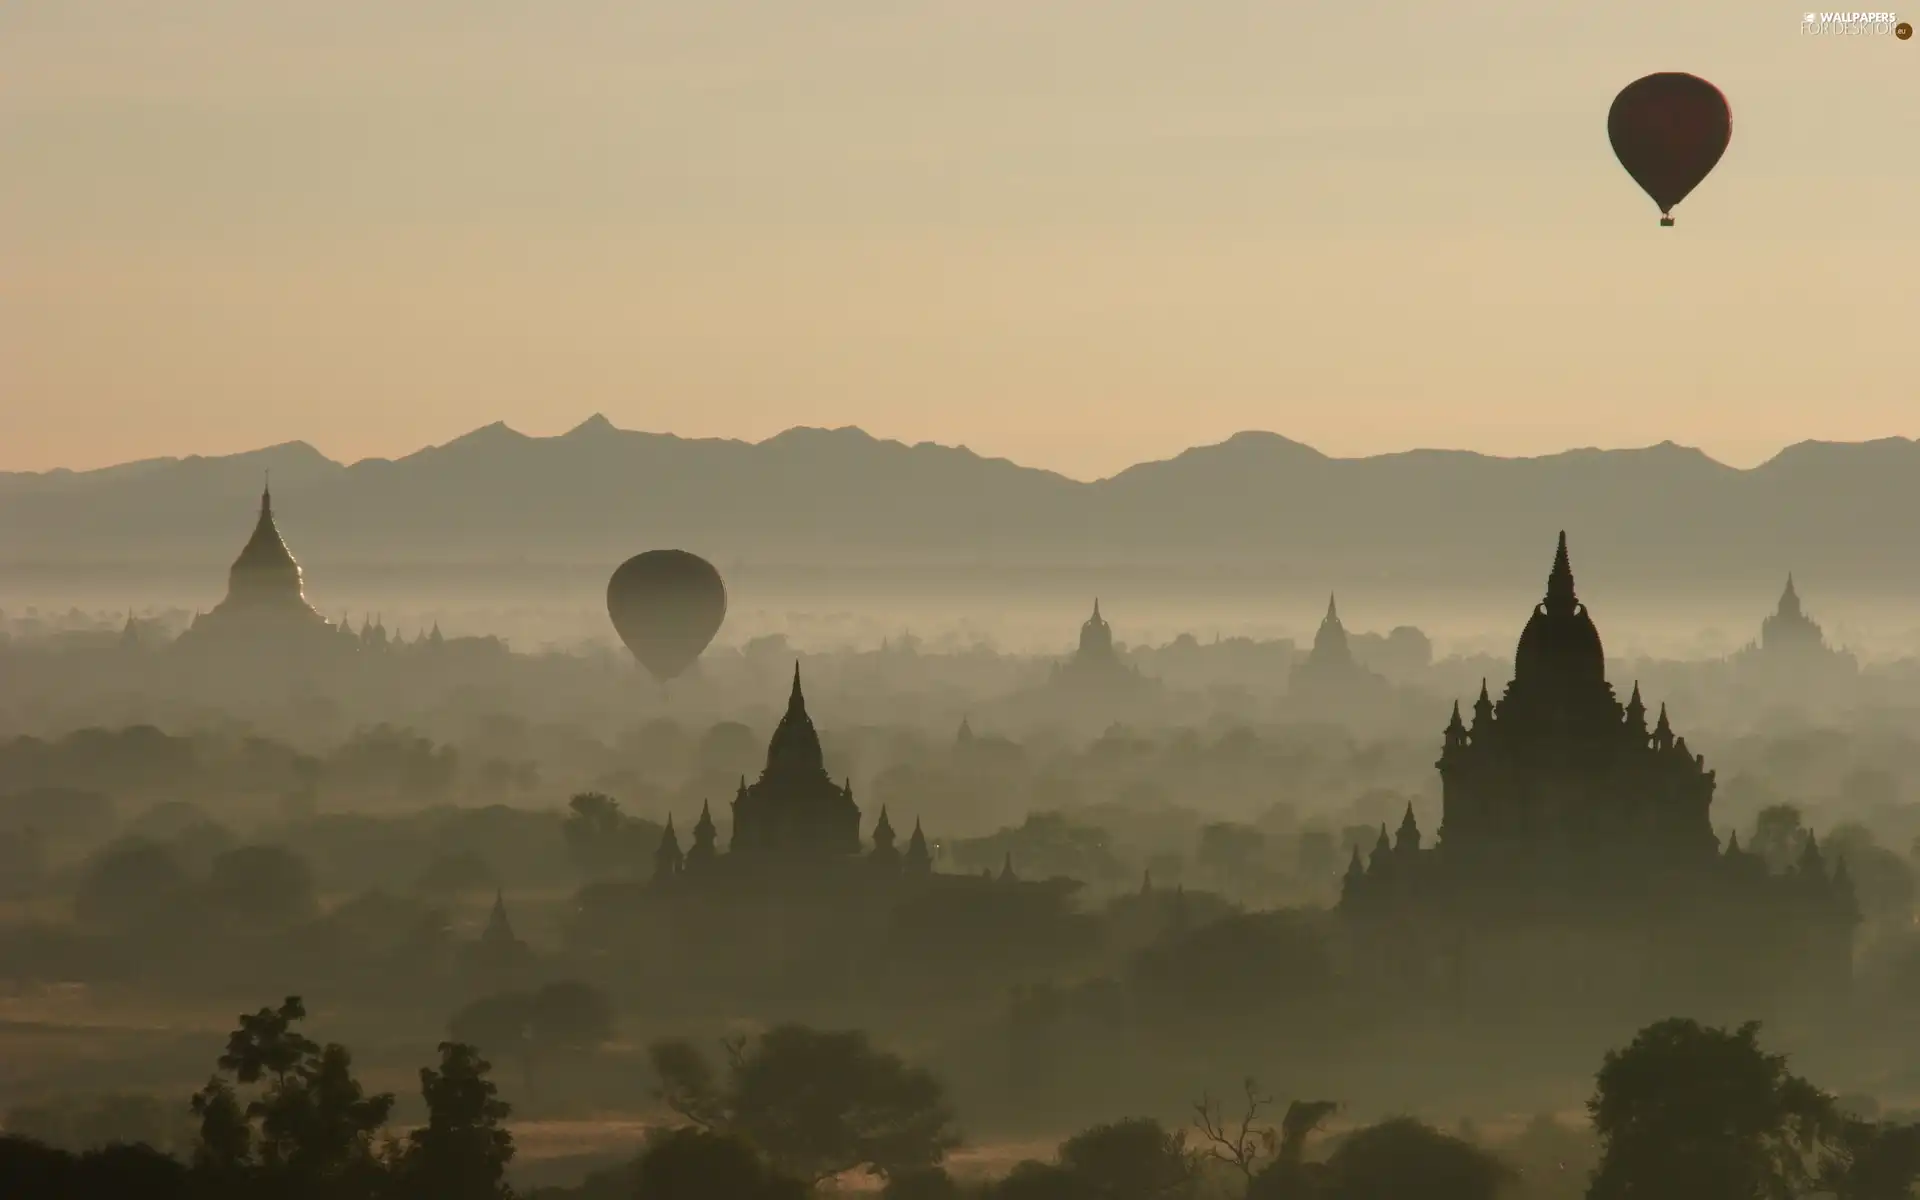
x=1290, y=1176
x=309, y=1131
x=129, y=884
x=602, y=840
x=1137, y=1159
x=699, y=1164
x=1240, y=1145
x=1689, y=1112
x=267, y=885
x=1402, y=1157
x=1881, y=1161
x=923, y=1183
x=816, y=1104
x=1035, y=1180
x=564, y=1017
x=462, y=1152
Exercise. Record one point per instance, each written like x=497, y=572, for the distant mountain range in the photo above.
x=1256, y=504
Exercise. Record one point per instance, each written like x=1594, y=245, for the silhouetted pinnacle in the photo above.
x=1333, y=614
x=1560, y=599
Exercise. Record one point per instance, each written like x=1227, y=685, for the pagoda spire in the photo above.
x=794, y=749
x=1561, y=600
x=667, y=859
x=1408, y=840
x=1482, y=708
x=1333, y=613
x=884, y=851
x=499, y=930
x=1381, y=848
x=919, y=861
x=1006, y=869
x=704, y=835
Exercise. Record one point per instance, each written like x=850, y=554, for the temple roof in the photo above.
x=266, y=550
x=795, y=747
x=1560, y=644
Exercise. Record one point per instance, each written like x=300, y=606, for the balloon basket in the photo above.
x=1666, y=222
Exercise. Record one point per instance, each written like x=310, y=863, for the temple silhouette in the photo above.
x=1577, y=840
x=266, y=603
x=1793, y=649
x=266, y=617
x=793, y=815
x=1096, y=666
x=1330, y=673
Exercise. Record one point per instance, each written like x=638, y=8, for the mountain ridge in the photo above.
x=838, y=495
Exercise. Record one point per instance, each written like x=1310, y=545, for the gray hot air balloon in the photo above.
x=666, y=605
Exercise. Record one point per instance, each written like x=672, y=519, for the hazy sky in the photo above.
x=1077, y=233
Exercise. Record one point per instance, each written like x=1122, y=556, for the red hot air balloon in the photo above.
x=666, y=605
x=1668, y=131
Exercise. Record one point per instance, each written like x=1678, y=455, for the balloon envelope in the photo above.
x=666, y=605
x=1668, y=131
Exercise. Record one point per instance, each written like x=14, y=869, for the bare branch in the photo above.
x=1240, y=1146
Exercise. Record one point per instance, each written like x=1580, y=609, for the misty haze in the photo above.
x=1083, y=602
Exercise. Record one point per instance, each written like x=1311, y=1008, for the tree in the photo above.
x=570, y=1015
x=602, y=840
x=23, y=863
x=1881, y=1161
x=1689, y=1112
x=565, y=1017
x=268, y=885
x=1035, y=1180
x=455, y=874
x=1289, y=1176
x=816, y=1104
x=1882, y=879
x=1228, y=848
x=699, y=1164
x=1240, y=1145
x=922, y=1183
x=1137, y=1159
x=462, y=1152
x=309, y=1130
x=1403, y=1157
x=129, y=884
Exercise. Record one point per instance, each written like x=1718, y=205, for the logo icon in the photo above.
x=1903, y=31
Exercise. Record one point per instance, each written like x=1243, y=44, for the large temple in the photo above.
x=266, y=603
x=794, y=814
x=1793, y=649
x=1096, y=668
x=1564, y=812
x=795, y=810
x=1330, y=672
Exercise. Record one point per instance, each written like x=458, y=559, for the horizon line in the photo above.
x=599, y=424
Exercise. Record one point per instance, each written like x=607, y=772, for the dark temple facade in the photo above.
x=1576, y=840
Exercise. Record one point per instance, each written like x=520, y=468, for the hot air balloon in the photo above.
x=666, y=605
x=1668, y=131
